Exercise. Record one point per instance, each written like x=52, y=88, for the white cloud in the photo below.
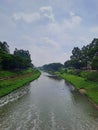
x=7, y=27
x=47, y=9
x=57, y=28
x=44, y=13
x=47, y=42
x=43, y=53
x=73, y=21
x=94, y=29
x=46, y=28
x=47, y=12
x=27, y=17
x=72, y=13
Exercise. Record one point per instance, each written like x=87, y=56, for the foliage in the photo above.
x=5, y=74
x=19, y=60
x=52, y=67
x=68, y=64
x=85, y=57
x=93, y=76
x=10, y=74
x=95, y=62
x=22, y=53
x=4, y=47
x=13, y=69
x=62, y=70
x=88, y=75
x=21, y=78
x=79, y=82
x=84, y=74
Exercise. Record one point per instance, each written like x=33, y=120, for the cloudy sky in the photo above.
x=49, y=29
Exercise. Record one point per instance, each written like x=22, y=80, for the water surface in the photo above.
x=49, y=103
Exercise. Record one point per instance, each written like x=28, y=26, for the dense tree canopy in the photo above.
x=24, y=55
x=4, y=47
x=95, y=62
x=87, y=55
x=19, y=60
x=52, y=67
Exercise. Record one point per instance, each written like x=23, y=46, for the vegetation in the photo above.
x=16, y=80
x=91, y=88
x=84, y=58
x=81, y=70
x=16, y=69
x=52, y=67
x=17, y=61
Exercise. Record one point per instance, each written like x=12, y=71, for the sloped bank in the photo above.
x=11, y=83
x=89, y=88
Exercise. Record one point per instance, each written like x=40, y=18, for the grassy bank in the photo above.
x=11, y=81
x=91, y=88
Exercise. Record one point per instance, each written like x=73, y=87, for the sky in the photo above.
x=49, y=29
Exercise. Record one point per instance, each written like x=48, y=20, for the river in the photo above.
x=48, y=103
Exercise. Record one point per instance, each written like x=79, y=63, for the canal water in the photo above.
x=48, y=103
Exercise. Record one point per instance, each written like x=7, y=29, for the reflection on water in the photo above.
x=48, y=104
x=54, y=77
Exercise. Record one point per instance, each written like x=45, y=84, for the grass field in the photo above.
x=79, y=82
x=15, y=80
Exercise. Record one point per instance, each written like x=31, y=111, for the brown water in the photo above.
x=48, y=103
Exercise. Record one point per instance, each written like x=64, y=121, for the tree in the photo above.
x=52, y=67
x=83, y=57
x=22, y=53
x=76, y=58
x=95, y=62
x=25, y=57
x=68, y=63
x=20, y=60
x=76, y=53
x=4, y=47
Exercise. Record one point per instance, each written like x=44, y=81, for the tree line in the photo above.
x=84, y=58
x=52, y=67
x=20, y=59
x=81, y=59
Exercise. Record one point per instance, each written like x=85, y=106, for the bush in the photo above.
x=70, y=71
x=74, y=71
x=84, y=74
x=93, y=76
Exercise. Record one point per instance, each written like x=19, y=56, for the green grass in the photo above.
x=26, y=76
x=79, y=82
x=5, y=74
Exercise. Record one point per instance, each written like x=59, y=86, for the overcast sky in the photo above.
x=49, y=29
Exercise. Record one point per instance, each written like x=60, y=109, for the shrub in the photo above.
x=84, y=74
x=93, y=76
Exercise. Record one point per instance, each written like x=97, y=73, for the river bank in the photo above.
x=10, y=81
x=86, y=87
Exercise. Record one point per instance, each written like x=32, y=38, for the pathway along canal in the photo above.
x=48, y=103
